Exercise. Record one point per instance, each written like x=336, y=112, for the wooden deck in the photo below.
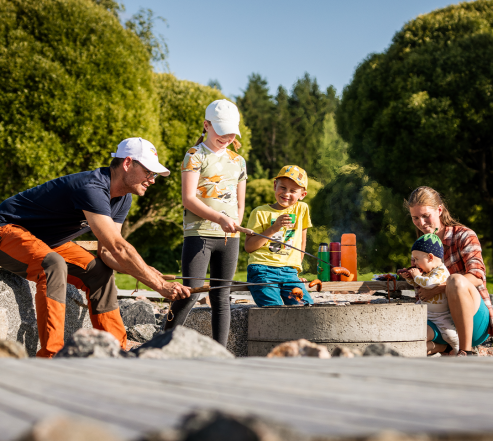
x=325, y=397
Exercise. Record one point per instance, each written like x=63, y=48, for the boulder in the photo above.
x=61, y=428
x=91, y=343
x=12, y=349
x=345, y=352
x=182, y=342
x=142, y=333
x=17, y=298
x=199, y=319
x=213, y=425
x=136, y=312
x=4, y=324
x=381, y=350
x=299, y=348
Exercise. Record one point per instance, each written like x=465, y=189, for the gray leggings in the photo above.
x=198, y=252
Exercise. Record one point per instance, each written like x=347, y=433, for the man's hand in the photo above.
x=414, y=272
x=174, y=291
x=427, y=294
x=283, y=221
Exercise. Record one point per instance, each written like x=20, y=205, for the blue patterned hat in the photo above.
x=429, y=243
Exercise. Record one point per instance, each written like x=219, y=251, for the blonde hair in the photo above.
x=426, y=196
x=236, y=143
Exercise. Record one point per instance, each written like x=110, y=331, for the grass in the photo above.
x=124, y=281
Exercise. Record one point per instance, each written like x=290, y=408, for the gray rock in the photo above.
x=212, y=425
x=61, y=428
x=182, y=342
x=199, y=319
x=136, y=313
x=17, y=298
x=91, y=343
x=4, y=324
x=381, y=350
x=299, y=348
x=12, y=349
x=142, y=333
x=160, y=318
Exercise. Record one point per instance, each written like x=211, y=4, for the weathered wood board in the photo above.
x=325, y=397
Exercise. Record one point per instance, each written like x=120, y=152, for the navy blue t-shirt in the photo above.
x=53, y=211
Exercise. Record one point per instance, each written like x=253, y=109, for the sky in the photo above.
x=228, y=40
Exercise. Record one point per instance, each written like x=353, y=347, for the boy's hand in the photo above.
x=283, y=221
x=414, y=272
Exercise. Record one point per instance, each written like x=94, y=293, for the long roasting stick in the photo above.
x=251, y=232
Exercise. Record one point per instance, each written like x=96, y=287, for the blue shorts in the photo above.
x=275, y=294
x=481, y=321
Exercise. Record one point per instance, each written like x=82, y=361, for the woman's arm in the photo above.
x=189, y=183
x=471, y=254
x=241, y=191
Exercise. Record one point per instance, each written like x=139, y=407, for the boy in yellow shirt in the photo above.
x=287, y=220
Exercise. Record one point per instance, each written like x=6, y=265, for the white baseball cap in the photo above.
x=224, y=116
x=142, y=151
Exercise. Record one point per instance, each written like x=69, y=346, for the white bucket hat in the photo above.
x=224, y=116
x=142, y=151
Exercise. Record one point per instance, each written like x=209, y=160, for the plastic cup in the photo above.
x=293, y=219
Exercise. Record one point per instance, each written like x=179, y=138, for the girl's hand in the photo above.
x=227, y=224
x=283, y=221
x=414, y=272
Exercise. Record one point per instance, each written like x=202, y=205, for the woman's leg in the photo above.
x=224, y=259
x=194, y=261
x=464, y=300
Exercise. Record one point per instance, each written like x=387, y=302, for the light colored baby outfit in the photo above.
x=438, y=310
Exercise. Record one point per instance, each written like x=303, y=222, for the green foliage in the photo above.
x=73, y=84
x=286, y=129
x=353, y=203
x=420, y=113
x=142, y=24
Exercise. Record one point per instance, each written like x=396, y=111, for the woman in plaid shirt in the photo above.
x=468, y=298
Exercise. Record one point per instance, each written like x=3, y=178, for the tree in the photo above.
x=73, y=84
x=353, y=203
x=421, y=112
x=258, y=108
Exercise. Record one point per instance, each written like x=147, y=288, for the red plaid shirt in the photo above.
x=462, y=255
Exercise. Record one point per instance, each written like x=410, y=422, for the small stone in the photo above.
x=137, y=313
x=381, y=350
x=182, y=342
x=205, y=301
x=91, y=343
x=142, y=333
x=345, y=352
x=12, y=349
x=299, y=348
x=68, y=429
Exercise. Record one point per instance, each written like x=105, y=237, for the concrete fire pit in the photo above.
x=403, y=326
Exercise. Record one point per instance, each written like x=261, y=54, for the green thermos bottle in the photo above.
x=323, y=269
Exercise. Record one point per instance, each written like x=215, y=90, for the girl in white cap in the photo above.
x=213, y=194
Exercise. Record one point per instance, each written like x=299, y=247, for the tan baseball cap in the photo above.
x=295, y=173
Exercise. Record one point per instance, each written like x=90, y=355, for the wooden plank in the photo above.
x=358, y=396
x=89, y=245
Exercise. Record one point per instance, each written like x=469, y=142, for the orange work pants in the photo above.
x=51, y=268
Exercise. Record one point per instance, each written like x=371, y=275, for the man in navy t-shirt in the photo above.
x=37, y=226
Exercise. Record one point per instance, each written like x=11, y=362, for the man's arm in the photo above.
x=119, y=255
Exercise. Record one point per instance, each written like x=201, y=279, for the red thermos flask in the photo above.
x=335, y=259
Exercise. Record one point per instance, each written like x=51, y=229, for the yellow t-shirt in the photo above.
x=272, y=253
